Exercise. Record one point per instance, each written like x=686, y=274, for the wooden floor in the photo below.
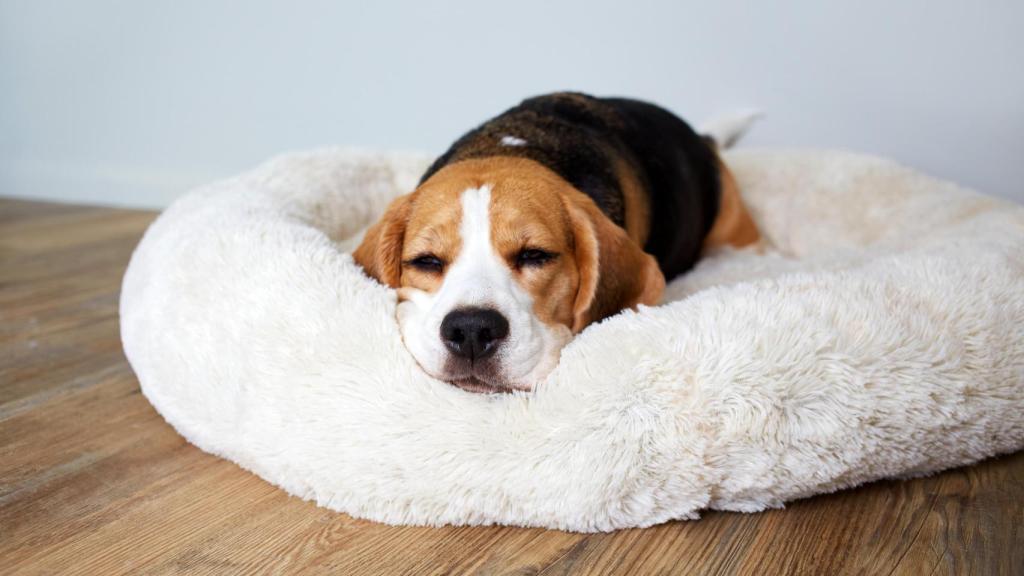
x=93, y=481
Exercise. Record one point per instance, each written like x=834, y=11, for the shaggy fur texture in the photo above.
x=882, y=335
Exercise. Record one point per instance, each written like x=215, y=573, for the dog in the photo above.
x=556, y=214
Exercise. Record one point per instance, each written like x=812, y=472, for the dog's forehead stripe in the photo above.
x=478, y=276
x=476, y=225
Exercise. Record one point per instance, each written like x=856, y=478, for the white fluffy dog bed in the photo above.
x=882, y=336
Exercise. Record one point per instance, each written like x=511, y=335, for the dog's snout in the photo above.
x=473, y=333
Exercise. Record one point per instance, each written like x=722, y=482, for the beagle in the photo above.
x=562, y=211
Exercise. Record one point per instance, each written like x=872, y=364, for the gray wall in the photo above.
x=127, y=102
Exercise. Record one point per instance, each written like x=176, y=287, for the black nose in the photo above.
x=473, y=333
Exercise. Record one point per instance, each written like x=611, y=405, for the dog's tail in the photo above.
x=727, y=129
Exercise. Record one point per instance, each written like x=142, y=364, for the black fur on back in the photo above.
x=579, y=137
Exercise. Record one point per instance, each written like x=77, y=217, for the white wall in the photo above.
x=128, y=102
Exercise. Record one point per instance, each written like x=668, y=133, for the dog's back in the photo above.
x=644, y=167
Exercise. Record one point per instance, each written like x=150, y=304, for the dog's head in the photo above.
x=497, y=263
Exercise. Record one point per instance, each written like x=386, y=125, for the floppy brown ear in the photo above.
x=615, y=273
x=380, y=253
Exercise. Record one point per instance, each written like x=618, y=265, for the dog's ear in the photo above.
x=615, y=273
x=380, y=253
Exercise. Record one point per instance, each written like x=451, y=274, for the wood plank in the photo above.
x=93, y=481
x=14, y=210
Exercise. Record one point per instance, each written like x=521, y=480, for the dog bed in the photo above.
x=881, y=334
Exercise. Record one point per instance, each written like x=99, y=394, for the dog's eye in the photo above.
x=533, y=257
x=426, y=263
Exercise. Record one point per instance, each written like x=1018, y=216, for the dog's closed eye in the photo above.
x=533, y=257
x=426, y=263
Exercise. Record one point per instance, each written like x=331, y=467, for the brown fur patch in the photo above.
x=525, y=216
x=380, y=252
x=615, y=273
x=433, y=228
x=636, y=200
x=733, y=226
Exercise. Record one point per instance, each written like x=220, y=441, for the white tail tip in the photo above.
x=727, y=129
